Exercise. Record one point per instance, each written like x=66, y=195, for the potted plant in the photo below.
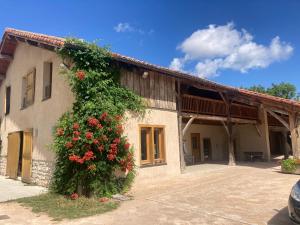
x=289, y=166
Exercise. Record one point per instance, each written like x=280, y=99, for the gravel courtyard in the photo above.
x=254, y=193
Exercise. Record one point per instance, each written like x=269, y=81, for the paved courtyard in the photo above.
x=205, y=194
x=13, y=189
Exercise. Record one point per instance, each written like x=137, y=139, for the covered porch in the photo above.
x=218, y=126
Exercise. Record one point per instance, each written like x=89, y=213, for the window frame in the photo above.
x=45, y=97
x=151, y=161
x=25, y=88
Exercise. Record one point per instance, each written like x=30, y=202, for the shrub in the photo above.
x=289, y=165
x=88, y=140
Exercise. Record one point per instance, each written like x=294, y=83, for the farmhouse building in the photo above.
x=188, y=120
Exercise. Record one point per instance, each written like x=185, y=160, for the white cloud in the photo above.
x=177, y=64
x=126, y=27
x=123, y=27
x=224, y=47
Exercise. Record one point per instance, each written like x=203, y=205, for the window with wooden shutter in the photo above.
x=47, y=80
x=28, y=85
x=152, y=145
x=7, y=100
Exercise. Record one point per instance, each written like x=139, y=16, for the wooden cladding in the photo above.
x=200, y=105
x=157, y=89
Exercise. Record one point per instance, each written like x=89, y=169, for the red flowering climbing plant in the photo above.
x=89, y=140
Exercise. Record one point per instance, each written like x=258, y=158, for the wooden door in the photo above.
x=27, y=156
x=13, y=151
x=196, y=147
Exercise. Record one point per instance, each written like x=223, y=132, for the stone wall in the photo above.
x=42, y=172
x=3, y=165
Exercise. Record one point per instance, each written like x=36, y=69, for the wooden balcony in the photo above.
x=205, y=106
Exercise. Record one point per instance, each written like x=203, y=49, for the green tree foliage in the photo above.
x=283, y=90
x=88, y=140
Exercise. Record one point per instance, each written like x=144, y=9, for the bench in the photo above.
x=252, y=156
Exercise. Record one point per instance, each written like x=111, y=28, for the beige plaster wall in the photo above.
x=248, y=140
x=217, y=135
x=156, y=117
x=42, y=115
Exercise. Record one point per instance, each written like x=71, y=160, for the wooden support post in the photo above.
x=230, y=145
x=180, y=133
x=231, y=160
x=293, y=122
x=265, y=131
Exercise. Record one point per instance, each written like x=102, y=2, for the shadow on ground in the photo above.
x=280, y=218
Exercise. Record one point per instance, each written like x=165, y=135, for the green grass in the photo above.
x=59, y=207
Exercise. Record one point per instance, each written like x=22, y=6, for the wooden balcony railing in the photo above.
x=205, y=106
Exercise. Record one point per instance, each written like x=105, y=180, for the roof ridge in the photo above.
x=59, y=42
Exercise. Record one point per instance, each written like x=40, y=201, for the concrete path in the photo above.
x=205, y=194
x=13, y=189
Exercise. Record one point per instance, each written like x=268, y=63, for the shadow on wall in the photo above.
x=281, y=217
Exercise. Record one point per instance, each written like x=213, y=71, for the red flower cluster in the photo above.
x=126, y=146
x=93, y=122
x=80, y=74
x=74, y=196
x=103, y=199
x=89, y=135
x=118, y=117
x=76, y=133
x=95, y=141
x=101, y=148
x=113, y=151
x=75, y=126
x=119, y=129
x=59, y=131
x=69, y=145
x=127, y=164
x=103, y=116
x=74, y=157
x=117, y=140
x=74, y=139
x=88, y=155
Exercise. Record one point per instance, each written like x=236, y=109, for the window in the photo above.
x=207, y=148
x=7, y=100
x=47, y=80
x=152, y=145
x=28, y=88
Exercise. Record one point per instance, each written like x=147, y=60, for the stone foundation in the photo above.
x=3, y=162
x=42, y=172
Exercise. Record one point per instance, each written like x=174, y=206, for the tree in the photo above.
x=258, y=88
x=283, y=90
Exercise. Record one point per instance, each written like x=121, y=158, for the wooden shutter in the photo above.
x=27, y=156
x=13, y=152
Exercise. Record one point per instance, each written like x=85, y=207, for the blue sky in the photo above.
x=159, y=31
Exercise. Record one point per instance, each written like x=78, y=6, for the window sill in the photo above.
x=153, y=165
x=25, y=107
x=45, y=99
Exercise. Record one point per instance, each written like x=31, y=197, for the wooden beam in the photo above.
x=218, y=118
x=284, y=123
x=226, y=128
x=258, y=130
x=187, y=125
